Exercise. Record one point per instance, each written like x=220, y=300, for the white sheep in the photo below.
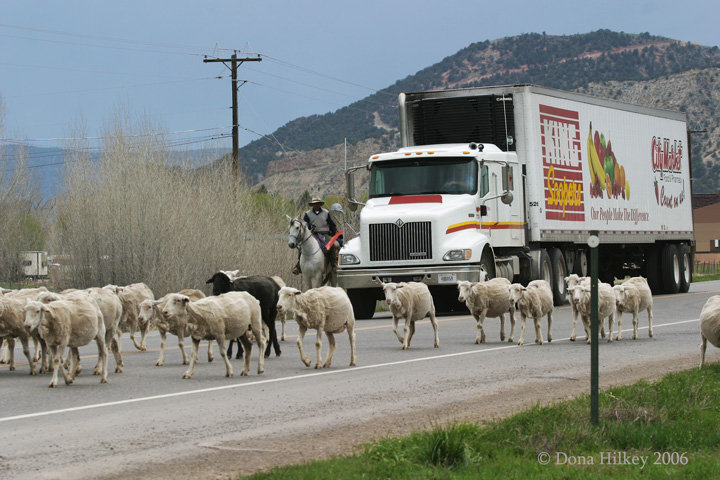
x=151, y=313
x=131, y=296
x=570, y=281
x=411, y=301
x=633, y=296
x=12, y=326
x=709, y=325
x=220, y=318
x=536, y=301
x=72, y=323
x=488, y=299
x=581, y=296
x=324, y=309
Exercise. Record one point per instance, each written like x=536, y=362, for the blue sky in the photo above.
x=68, y=67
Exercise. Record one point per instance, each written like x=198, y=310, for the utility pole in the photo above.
x=234, y=63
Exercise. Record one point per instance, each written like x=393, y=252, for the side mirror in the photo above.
x=507, y=184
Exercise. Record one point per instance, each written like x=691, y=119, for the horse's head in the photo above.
x=296, y=231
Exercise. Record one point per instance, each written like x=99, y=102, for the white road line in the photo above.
x=295, y=377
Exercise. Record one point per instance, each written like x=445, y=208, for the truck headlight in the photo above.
x=349, y=259
x=458, y=255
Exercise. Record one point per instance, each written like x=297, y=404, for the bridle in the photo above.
x=303, y=237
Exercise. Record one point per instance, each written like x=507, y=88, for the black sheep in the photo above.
x=265, y=289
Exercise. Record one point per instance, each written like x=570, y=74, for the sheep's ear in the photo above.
x=212, y=280
x=297, y=292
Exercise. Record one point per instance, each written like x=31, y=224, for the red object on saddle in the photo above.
x=332, y=240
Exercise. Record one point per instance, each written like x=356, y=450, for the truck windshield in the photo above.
x=417, y=176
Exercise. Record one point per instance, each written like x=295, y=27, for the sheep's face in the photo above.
x=286, y=299
x=579, y=294
x=464, y=289
x=176, y=305
x=33, y=314
x=146, y=311
x=516, y=292
x=390, y=291
x=572, y=280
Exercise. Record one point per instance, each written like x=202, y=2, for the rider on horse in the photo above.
x=321, y=223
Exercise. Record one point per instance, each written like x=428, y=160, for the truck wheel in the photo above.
x=363, y=302
x=545, y=269
x=671, y=268
x=487, y=264
x=559, y=272
x=581, y=264
x=686, y=268
x=653, y=270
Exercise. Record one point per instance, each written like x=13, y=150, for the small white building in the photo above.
x=33, y=264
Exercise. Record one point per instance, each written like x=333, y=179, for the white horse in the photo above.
x=315, y=265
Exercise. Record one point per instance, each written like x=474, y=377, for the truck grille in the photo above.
x=410, y=241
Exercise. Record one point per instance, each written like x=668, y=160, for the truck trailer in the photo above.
x=511, y=181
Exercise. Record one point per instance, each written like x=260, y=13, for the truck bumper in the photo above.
x=440, y=276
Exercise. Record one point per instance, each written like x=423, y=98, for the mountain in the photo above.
x=636, y=68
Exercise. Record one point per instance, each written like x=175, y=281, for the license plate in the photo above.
x=447, y=278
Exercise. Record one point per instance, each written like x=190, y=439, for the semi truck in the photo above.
x=512, y=181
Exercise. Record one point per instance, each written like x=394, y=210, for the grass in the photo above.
x=672, y=424
x=705, y=277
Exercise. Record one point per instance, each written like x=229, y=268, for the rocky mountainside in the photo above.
x=640, y=69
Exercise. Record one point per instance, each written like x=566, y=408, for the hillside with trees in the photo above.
x=625, y=67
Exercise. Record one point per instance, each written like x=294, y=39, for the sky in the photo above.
x=71, y=69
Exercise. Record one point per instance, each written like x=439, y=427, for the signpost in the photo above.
x=593, y=242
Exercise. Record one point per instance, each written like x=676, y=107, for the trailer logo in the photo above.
x=562, y=164
x=666, y=156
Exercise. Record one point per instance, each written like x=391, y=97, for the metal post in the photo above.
x=594, y=330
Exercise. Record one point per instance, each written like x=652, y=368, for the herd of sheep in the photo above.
x=245, y=309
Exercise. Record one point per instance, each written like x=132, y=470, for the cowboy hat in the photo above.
x=316, y=200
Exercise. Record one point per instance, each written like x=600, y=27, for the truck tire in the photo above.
x=670, y=268
x=363, y=302
x=545, y=269
x=581, y=264
x=686, y=268
x=559, y=272
x=653, y=271
x=487, y=263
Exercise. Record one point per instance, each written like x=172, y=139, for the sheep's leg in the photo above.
x=410, y=334
x=229, y=349
x=318, y=345
x=502, y=327
x=56, y=354
x=575, y=314
x=4, y=356
x=115, y=347
x=351, y=336
x=74, y=355
x=26, y=351
x=538, y=331
x=618, y=314
x=262, y=341
x=522, y=330
x=193, y=358
x=11, y=352
x=247, y=346
x=223, y=353
x=611, y=321
x=395, y=328
x=133, y=329
x=434, y=323
x=703, y=347
x=44, y=360
x=480, y=337
x=163, y=338
x=36, y=344
x=650, y=319
x=512, y=326
x=102, y=354
x=301, y=335
x=586, y=326
x=282, y=321
x=144, y=327
x=549, y=335
x=211, y=357
x=331, y=349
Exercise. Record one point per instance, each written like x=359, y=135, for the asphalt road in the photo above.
x=150, y=414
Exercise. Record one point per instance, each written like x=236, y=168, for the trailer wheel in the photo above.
x=559, y=272
x=581, y=264
x=671, y=268
x=686, y=268
x=363, y=302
